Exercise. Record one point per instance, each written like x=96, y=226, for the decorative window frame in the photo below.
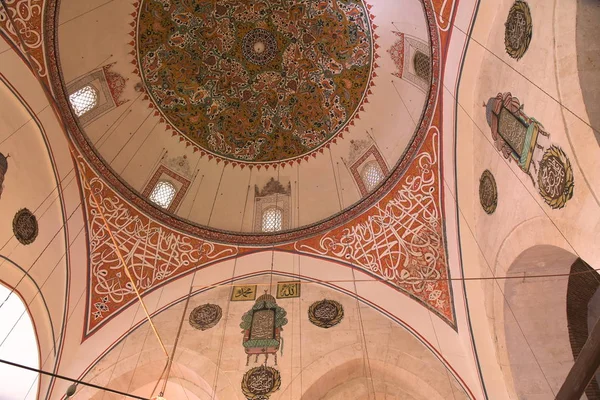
x=89, y=109
x=272, y=195
x=156, y=198
x=109, y=87
x=403, y=53
x=268, y=209
x=364, y=175
x=180, y=183
x=372, y=154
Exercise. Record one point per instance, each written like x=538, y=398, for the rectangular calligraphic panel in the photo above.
x=288, y=290
x=512, y=130
x=243, y=293
x=263, y=325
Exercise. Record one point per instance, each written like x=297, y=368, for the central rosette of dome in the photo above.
x=259, y=46
x=256, y=81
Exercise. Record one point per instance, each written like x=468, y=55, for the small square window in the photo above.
x=163, y=194
x=84, y=100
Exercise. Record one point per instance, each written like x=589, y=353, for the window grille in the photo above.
x=422, y=64
x=372, y=175
x=163, y=194
x=84, y=100
x=272, y=220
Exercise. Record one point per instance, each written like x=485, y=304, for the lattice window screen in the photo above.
x=163, y=194
x=272, y=219
x=372, y=175
x=84, y=100
x=422, y=64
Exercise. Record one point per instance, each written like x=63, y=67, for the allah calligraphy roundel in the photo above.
x=259, y=81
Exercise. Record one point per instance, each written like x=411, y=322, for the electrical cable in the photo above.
x=76, y=381
x=411, y=281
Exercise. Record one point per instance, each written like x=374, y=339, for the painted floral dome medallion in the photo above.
x=256, y=81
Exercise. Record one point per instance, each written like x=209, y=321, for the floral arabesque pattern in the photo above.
x=199, y=68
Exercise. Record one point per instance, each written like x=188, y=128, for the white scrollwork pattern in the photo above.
x=402, y=241
x=27, y=18
x=151, y=252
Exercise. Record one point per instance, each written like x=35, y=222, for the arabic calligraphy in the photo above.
x=152, y=252
x=263, y=323
x=243, y=293
x=27, y=18
x=260, y=382
x=325, y=313
x=205, y=316
x=401, y=238
x=287, y=290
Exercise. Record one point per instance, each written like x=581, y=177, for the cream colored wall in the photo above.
x=40, y=177
x=428, y=328
x=508, y=338
x=131, y=139
x=489, y=244
x=365, y=354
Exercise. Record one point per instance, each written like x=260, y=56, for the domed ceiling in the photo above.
x=237, y=100
x=266, y=81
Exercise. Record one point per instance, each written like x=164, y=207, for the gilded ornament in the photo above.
x=326, y=313
x=262, y=327
x=205, y=316
x=555, y=177
x=518, y=30
x=488, y=192
x=25, y=226
x=288, y=290
x=260, y=383
x=243, y=293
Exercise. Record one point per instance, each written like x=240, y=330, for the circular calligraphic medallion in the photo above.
x=25, y=226
x=261, y=81
x=326, y=313
x=555, y=177
x=518, y=30
x=205, y=316
x=260, y=382
x=488, y=192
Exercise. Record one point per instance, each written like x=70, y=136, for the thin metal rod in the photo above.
x=170, y=362
x=125, y=269
x=78, y=382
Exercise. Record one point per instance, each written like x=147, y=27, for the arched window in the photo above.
x=371, y=175
x=18, y=345
x=84, y=100
x=272, y=219
x=163, y=194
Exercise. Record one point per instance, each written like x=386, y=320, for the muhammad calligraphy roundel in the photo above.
x=260, y=80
